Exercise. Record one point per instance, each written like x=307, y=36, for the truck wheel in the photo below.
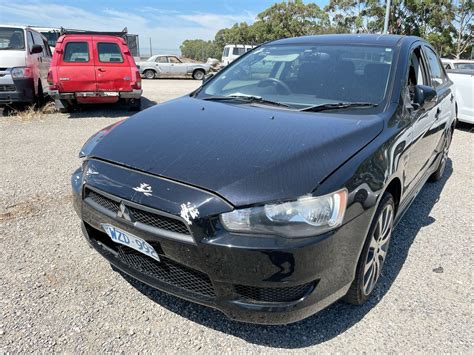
x=374, y=253
x=149, y=74
x=135, y=104
x=198, y=74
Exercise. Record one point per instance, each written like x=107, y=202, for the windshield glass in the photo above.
x=12, y=38
x=308, y=75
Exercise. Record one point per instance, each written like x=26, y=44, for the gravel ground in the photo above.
x=58, y=295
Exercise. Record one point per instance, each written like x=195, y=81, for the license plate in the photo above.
x=119, y=236
x=110, y=93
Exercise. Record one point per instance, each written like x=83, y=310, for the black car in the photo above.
x=272, y=190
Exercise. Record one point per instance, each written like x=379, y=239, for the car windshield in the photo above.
x=12, y=38
x=303, y=76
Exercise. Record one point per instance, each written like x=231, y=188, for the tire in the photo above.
x=135, y=104
x=198, y=74
x=39, y=99
x=149, y=74
x=438, y=174
x=374, y=252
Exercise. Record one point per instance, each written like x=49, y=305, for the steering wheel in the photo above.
x=276, y=82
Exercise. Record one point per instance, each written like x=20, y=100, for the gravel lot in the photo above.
x=58, y=295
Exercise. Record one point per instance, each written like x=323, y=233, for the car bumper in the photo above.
x=17, y=91
x=265, y=280
x=134, y=94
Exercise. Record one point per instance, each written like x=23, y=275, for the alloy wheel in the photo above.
x=444, y=159
x=378, y=247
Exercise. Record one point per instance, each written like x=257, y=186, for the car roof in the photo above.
x=384, y=40
x=88, y=37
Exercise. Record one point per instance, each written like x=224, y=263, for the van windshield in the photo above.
x=12, y=38
x=301, y=76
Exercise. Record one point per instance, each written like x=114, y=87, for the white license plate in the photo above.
x=110, y=93
x=119, y=236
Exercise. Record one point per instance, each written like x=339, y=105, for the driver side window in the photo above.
x=416, y=74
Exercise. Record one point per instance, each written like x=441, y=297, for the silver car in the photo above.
x=170, y=66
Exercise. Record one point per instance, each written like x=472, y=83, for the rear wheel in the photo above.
x=149, y=74
x=372, y=259
x=198, y=74
x=438, y=174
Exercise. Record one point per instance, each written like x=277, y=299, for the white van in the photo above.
x=24, y=63
x=233, y=51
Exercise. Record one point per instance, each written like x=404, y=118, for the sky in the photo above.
x=167, y=22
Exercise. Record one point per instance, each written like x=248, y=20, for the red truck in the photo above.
x=91, y=67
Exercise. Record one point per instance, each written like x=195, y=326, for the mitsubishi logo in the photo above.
x=123, y=212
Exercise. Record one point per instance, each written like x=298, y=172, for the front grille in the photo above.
x=104, y=201
x=139, y=215
x=272, y=294
x=158, y=221
x=168, y=271
x=7, y=88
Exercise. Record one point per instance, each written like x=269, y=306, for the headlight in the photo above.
x=21, y=72
x=304, y=217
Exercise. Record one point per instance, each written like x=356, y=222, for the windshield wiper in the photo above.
x=246, y=98
x=337, y=105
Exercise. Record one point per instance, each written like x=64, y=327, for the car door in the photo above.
x=177, y=67
x=420, y=120
x=45, y=58
x=163, y=66
x=75, y=67
x=113, y=71
x=441, y=114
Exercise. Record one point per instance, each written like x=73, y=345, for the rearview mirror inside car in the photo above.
x=425, y=97
x=36, y=49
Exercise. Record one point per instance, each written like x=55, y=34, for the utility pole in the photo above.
x=151, y=50
x=387, y=16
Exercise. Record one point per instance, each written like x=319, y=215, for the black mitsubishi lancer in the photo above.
x=272, y=190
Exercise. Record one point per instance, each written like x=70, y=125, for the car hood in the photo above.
x=244, y=153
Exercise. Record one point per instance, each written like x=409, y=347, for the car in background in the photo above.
x=272, y=190
x=458, y=64
x=24, y=62
x=463, y=80
x=93, y=68
x=233, y=51
x=170, y=66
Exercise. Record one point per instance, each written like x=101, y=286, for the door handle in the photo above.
x=101, y=69
x=438, y=112
x=452, y=97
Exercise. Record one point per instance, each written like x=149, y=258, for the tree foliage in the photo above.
x=446, y=24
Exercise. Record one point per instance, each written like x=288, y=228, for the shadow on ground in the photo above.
x=333, y=320
x=107, y=110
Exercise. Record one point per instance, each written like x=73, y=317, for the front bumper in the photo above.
x=265, y=280
x=17, y=91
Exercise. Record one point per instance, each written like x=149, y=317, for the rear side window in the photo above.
x=109, y=53
x=76, y=52
x=238, y=51
x=437, y=73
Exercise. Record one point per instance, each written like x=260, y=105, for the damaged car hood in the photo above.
x=244, y=153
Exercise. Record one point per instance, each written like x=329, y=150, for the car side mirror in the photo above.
x=425, y=97
x=207, y=77
x=36, y=49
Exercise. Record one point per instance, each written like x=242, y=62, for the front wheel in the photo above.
x=438, y=174
x=198, y=74
x=374, y=253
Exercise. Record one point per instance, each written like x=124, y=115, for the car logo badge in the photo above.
x=123, y=212
x=144, y=188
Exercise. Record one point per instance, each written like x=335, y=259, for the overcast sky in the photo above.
x=167, y=22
